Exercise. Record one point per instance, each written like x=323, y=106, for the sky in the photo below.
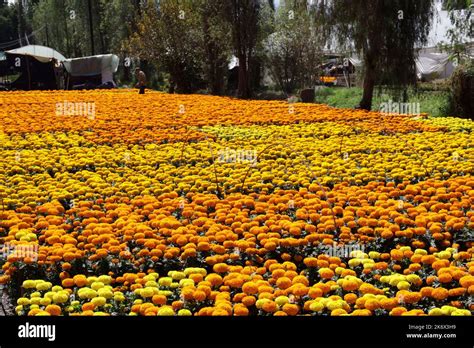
x=441, y=24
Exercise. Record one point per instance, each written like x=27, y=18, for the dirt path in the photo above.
x=6, y=307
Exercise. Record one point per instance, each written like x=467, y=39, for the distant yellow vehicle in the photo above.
x=328, y=79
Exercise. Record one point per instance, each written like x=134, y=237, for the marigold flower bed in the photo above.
x=145, y=209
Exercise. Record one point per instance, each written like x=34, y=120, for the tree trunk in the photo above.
x=181, y=80
x=369, y=84
x=99, y=19
x=255, y=73
x=217, y=87
x=21, y=24
x=171, y=87
x=243, y=90
x=66, y=31
x=216, y=71
x=91, y=27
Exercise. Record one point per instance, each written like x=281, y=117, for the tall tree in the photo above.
x=168, y=36
x=460, y=48
x=461, y=15
x=22, y=22
x=294, y=50
x=116, y=22
x=385, y=33
x=216, y=44
x=188, y=39
x=91, y=25
x=244, y=18
x=65, y=25
x=8, y=26
x=59, y=22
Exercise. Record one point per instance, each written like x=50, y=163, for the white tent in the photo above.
x=105, y=65
x=234, y=61
x=41, y=53
x=355, y=61
x=433, y=65
x=430, y=64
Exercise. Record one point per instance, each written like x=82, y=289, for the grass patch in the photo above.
x=434, y=103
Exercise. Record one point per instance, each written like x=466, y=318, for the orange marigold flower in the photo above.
x=388, y=303
x=396, y=254
x=372, y=304
x=311, y=262
x=426, y=291
x=300, y=280
x=428, y=259
x=284, y=282
x=80, y=280
x=397, y=311
x=290, y=309
x=270, y=307
x=67, y=283
x=250, y=288
x=248, y=301
x=445, y=278
x=89, y=306
x=440, y=294
x=199, y=295
x=456, y=292
x=300, y=290
x=315, y=292
x=350, y=298
x=466, y=281
x=350, y=285
x=53, y=309
x=220, y=268
x=159, y=299
x=241, y=311
x=326, y=273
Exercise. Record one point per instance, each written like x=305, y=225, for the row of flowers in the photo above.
x=325, y=287
x=68, y=167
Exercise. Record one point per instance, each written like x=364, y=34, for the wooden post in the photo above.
x=29, y=73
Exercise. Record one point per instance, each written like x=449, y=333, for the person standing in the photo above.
x=141, y=78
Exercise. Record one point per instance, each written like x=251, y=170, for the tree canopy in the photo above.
x=191, y=42
x=385, y=33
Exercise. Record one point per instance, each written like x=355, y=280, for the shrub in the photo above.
x=463, y=91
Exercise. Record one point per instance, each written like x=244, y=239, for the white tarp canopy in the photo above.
x=355, y=61
x=433, y=65
x=429, y=64
x=105, y=65
x=41, y=53
x=234, y=61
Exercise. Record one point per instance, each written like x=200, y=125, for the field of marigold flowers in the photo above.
x=208, y=206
